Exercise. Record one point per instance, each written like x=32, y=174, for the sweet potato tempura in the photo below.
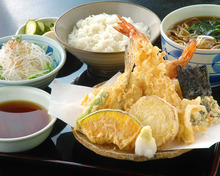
x=152, y=75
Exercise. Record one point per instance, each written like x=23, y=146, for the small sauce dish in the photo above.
x=26, y=120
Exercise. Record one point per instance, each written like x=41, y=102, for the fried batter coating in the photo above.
x=153, y=75
x=121, y=95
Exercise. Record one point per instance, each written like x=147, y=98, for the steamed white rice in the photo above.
x=96, y=33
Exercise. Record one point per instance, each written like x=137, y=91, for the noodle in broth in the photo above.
x=205, y=30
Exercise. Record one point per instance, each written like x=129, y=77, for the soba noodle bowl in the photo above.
x=205, y=30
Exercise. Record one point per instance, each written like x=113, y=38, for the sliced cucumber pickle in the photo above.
x=31, y=27
x=36, y=27
x=41, y=26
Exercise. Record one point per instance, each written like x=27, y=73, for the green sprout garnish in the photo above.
x=51, y=25
x=49, y=69
x=19, y=39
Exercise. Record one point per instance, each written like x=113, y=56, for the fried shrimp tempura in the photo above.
x=126, y=90
x=153, y=75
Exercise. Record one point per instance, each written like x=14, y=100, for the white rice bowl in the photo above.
x=96, y=33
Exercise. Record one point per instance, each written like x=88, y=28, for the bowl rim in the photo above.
x=46, y=40
x=97, y=2
x=49, y=125
x=179, y=46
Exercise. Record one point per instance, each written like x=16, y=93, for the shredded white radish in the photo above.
x=20, y=60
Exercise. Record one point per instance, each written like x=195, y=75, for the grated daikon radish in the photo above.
x=20, y=60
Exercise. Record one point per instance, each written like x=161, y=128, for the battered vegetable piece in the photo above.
x=121, y=97
x=95, y=104
x=194, y=81
x=212, y=108
x=160, y=116
x=197, y=115
x=109, y=127
x=192, y=117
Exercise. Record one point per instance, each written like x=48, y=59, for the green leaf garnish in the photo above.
x=210, y=27
x=49, y=67
x=19, y=39
x=51, y=25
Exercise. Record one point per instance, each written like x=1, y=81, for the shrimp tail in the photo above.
x=187, y=54
x=184, y=59
x=123, y=27
x=128, y=29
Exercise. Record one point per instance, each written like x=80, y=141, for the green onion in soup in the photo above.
x=205, y=30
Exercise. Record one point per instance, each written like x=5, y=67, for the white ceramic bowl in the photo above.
x=100, y=63
x=58, y=54
x=32, y=94
x=47, y=21
x=209, y=57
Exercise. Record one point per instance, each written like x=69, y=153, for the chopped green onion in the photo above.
x=19, y=39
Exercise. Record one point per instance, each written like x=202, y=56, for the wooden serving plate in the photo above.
x=113, y=151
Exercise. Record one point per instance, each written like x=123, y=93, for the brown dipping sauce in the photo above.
x=21, y=118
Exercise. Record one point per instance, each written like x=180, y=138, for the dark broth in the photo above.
x=21, y=118
x=188, y=30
